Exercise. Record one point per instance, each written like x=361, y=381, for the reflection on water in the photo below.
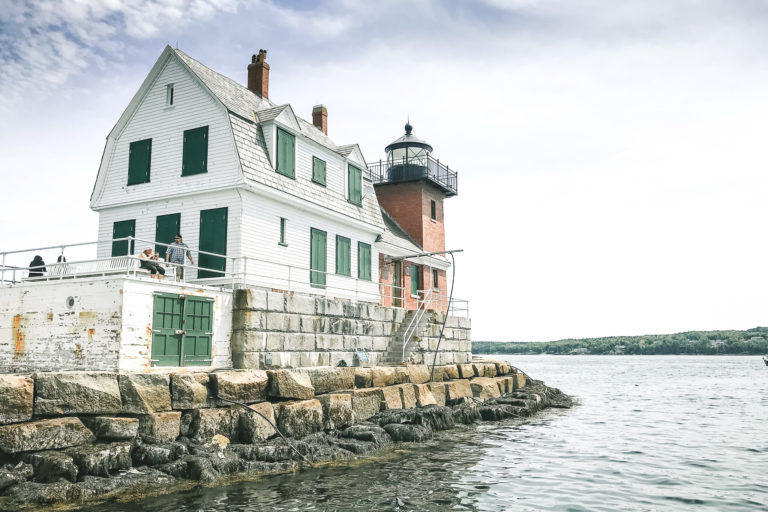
x=653, y=433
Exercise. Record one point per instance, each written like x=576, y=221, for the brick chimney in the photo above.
x=258, y=74
x=320, y=117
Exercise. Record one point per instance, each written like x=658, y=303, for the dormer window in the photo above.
x=169, y=95
x=286, y=153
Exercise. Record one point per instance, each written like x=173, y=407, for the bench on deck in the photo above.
x=100, y=267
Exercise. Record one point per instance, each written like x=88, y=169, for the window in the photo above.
x=123, y=229
x=363, y=261
x=355, y=184
x=414, y=280
x=169, y=95
x=195, y=158
x=139, y=157
x=318, y=171
x=343, y=256
x=317, y=253
x=434, y=279
x=282, y=232
x=286, y=154
x=433, y=208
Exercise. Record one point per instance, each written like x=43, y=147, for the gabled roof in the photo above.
x=397, y=236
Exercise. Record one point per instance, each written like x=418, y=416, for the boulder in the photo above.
x=337, y=410
x=424, y=396
x=502, y=367
x=438, y=392
x=401, y=375
x=50, y=434
x=408, y=433
x=490, y=369
x=245, y=386
x=9, y=476
x=253, y=427
x=457, y=389
x=390, y=397
x=299, y=419
x=484, y=388
x=200, y=425
x=479, y=369
x=382, y=376
x=407, y=395
x=113, y=429
x=160, y=427
x=466, y=371
x=144, y=393
x=60, y=393
x=520, y=380
x=450, y=371
x=16, y=398
x=418, y=373
x=101, y=459
x=365, y=403
x=290, y=384
x=327, y=379
x=438, y=375
x=190, y=391
x=51, y=466
x=363, y=377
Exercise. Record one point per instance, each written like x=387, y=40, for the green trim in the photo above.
x=139, y=161
x=194, y=158
x=363, y=261
x=343, y=256
x=318, y=171
x=282, y=241
x=285, y=162
x=354, y=185
x=317, y=257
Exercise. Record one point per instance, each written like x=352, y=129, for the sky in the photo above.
x=611, y=155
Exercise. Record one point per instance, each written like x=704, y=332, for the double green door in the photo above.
x=182, y=330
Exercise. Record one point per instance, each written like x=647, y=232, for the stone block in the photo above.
x=190, y=390
x=12, y=475
x=16, y=398
x=299, y=419
x=59, y=393
x=438, y=392
x=313, y=359
x=380, y=343
x=300, y=342
x=424, y=395
x=457, y=389
x=247, y=360
x=329, y=342
x=51, y=466
x=337, y=410
x=290, y=384
x=401, y=375
x=490, y=369
x=144, y=393
x=250, y=298
x=391, y=398
x=301, y=304
x=201, y=425
x=365, y=403
x=479, y=369
x=249, y=320
x=245, y=386
x=329, y=379
x=249, y=341
x=451, y=371
x=378, y=313
x=112, y=429
x=407, y=395
x=160, y=427
x=51, y=434
x=418, y=373
x=101, y=459
x=382, y=376
x=337, y=357
x=280, y=359
x=484, y=388
x=254, y=428
x=275, y=341
x=363, y=377
x=520, y=380
x=276, y=301
x=466, y=371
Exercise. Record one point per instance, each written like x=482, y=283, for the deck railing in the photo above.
x=414, y=169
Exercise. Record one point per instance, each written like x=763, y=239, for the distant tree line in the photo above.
x=752, y=341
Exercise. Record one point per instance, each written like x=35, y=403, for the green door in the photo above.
x=182, y=330
x=166, y=228
x=414, y=280
x=198, y=331
x=167, y=319
x=397, y=285
x=123, y=229
x=213, y=238
x=317, y=253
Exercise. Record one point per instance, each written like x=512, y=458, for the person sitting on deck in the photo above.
x=147, y=262
x=37, y=267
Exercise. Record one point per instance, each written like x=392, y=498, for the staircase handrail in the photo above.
x=421, y=309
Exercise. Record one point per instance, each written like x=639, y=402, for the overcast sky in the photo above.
x=611, y=154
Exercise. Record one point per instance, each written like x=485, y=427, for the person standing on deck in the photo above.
x=175, y=255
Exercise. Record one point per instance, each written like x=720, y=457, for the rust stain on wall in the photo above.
x=18, y=336
x=86, y=316
x=50, y=316
x=149, y=331
x=79, y=350
x=91, y=332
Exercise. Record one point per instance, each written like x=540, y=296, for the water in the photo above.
x=665, y=433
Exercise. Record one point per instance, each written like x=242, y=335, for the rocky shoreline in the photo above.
x=128, y=458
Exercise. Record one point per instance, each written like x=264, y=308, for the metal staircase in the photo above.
x=398, y=351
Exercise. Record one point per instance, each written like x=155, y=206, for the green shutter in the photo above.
x=317, y=256
x=355, y=184
x=318, y=170
x=167, y=318
x=414, y=279
x=343, y=255
x=198, y=331
x=139, y=159
x=166, y=228
x=195, y=157
x=213, y=238
x=363, y=261
x=122, y=229
x=286, y=153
